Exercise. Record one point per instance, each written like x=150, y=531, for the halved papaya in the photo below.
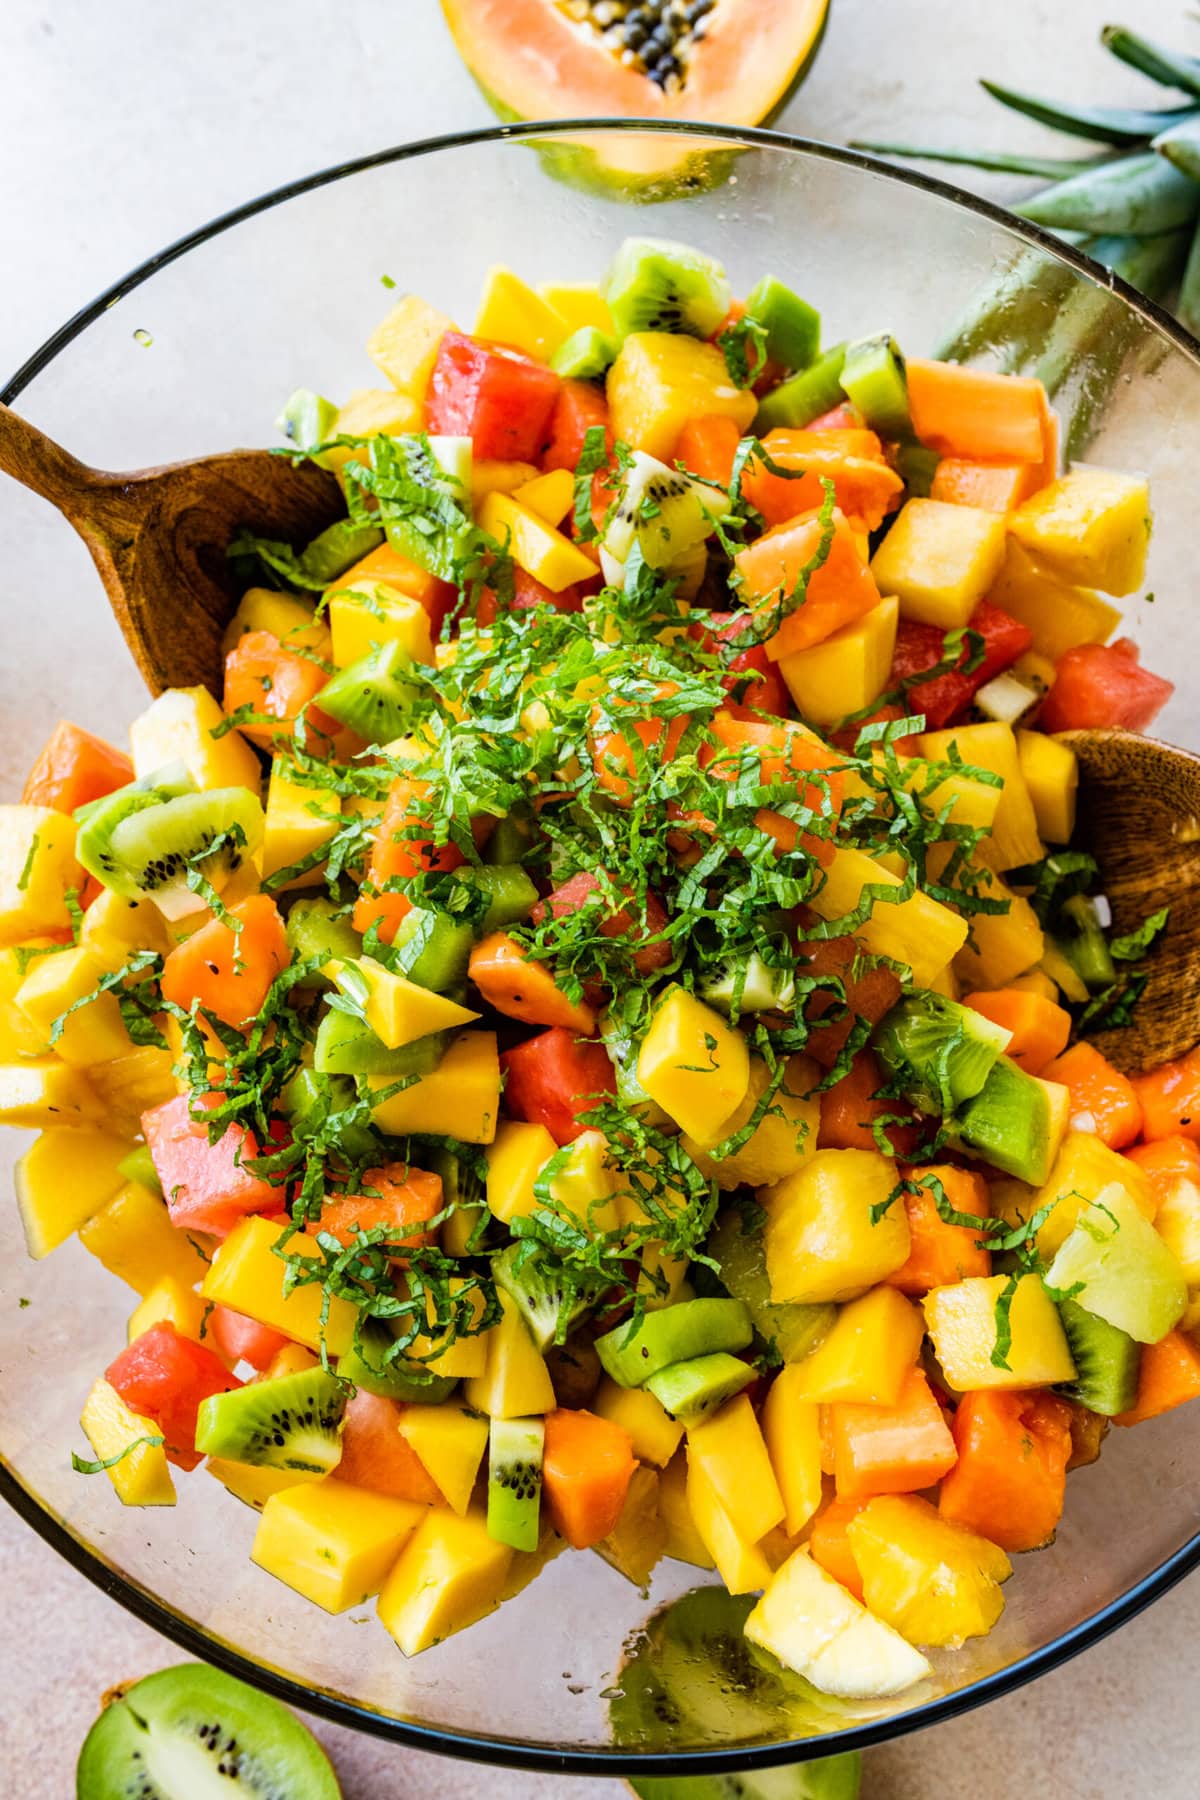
x=732, y=61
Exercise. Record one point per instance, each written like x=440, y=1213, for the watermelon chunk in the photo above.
x=207, y=1186
x=498, y=398
x=554, y=1078
x=164, y=1376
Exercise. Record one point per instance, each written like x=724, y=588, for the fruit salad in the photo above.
x=581, y=1038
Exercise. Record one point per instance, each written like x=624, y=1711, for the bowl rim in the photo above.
x=518, y=1753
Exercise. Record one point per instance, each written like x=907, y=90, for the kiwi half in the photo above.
x=690, y=1391
x=656, y=285
x=98, y=819
x=149, y=851
x=286, y=1422
x=192, y=1731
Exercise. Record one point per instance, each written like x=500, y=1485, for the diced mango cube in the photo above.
x=370, y=412
x=693, y=1063
x=247, y=1276
x=1090, y=527
x=919, y=932
x=492, y=477
x=300, y=821
x=782, y=1141
x=515, y=1159
x=131, y=1084
x=399, y=1011
x=115, y=928
x=739, y=1562
x=848, y=671
x=1014, y=839
x=660, y=380
x=49, y=997
x=654, y=1434
x=252, y=1484
x=585, y=1183
x=871, y=1346
x=684, y=1542
x=940, y=560
x=18, y=1038
x=728, y=1448
x=550, y=496
x=450, y=1441
x=1083, y=1167
x=1058, y=614
x=142, y=1475
x=792, y=1430
x=510, y=312
x=579, y=305
x=516, y=1382
x=376, y=612
x=1178, y=1224
x=169, y=1303
x=404, y=346
x=179, y=727
x=460, y=1098
x=934, y=1581
x=449, y=1575
x=286, y=616
x=37, y=867
x=66, y=1175
x=538, y=548
x=1050, y=770
x=332, y=1542
x=1002, y=945
x=963, y=1323
x=822, y=1240
x=638, y=1540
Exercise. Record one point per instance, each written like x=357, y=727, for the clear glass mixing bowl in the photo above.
x=193, y=353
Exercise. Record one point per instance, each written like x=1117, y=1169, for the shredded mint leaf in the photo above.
x=1134, y=944
x=82, y=1466
x=1003, y=1343
x=744, y=347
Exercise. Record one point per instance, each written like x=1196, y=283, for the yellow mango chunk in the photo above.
x=534, y=546
x=37, y=866
x=1002, y=945
x=247, y=1276
x=491, y=477
x=934, y=1581
x=94, y=1033
x=872, y=1346
x=450, y=1442
x=684, y=1543
x=821, y=1241
x=516, y=1382
x=465, y=1354
x=514, y=1161
x=179, y=727
x=585, y=1183
x=1091, y=527
x=44, y=1091
x=919, y=932
x=660, y=380
x=792, y=1432
x=65, y=1176
x=18, y=1038
x=169, y=1303
x=253, y=1485
x=404, y=345
x=728, y=1449
x=782, y=1141
x=286, y=616
x=940, y=560
x=1058, y=614
x=1014, y=839
x=961, y=1320
x=693, y=1063
x=142, y=1477
x=114, y=928
x=135, y=1240
x=638, y=1540
x=739, y=1562
x=372, y=411
x=460, y=1098
x=510, y=312
x=1083, y=1167
x=814, y=1626
x=369, y=613
x=332, y=1542
x=449, y=1575
x=848, y=671
x=655, y=1435
x=399, y=1011
x=578, y=305
x=1050, y=770
x=550, y=496
x=300, y=821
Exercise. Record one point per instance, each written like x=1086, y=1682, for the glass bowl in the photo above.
x=194, y=352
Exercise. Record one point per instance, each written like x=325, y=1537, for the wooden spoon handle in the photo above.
x=43, y=466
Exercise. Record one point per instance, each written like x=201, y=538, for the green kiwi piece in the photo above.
x=673, y=1334
x=346, y=1045
x=508, y=892
x=98, y=819
x=310, y=1100
x=432, y=948
x=321, y=928
x=374, y=696
x=192, y=1731
x=656, y=285
x=139, y=1166
x=791, y=1327
x=805, y=396
x=1115, y=1264
x=750, y=985
x=514, y=1493
x=585, y=355
x=549, y=1308
x=691, y=1390
x=288, y=1422
x=1106, y=1361
x=152, y=851
x=793, y=327
x=410, y=1383
x=875, y=379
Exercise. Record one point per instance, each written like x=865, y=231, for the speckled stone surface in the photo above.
x=128, y=122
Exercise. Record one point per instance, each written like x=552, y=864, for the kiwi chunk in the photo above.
x=939, y=1053
x=514, y=1493
x=139, y=1166
x=170, y=850
x=656, y=285
x=194, y=1731
x=673, y=1334
x=319, y=928
x=1106, y=1361
x=287, y=1422
x=509, y=894
x=875, y=379
x=691, y=1390
x=806, y=396
x=750, y=985
x=791, y=1327
x=346, y=1045
x=311, y=1100
x=1008, y=1124
x=793, y=327
x=98, y=819
x=433, y=948
x=585, y=355
x=393, y=1378
x=374, y=696
x=547, y=1305
x=667, y=513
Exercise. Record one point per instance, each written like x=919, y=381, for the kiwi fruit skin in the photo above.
x=1106, y=1361
x=152, y=851
x=654, y=284
x=160, y=1738
x=286, y=1422
x=514, y=1492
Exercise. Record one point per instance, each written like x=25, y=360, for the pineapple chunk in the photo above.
x=1120, y=1268
x=740, y=1563
x=65, y=1177
x=247, y=1276
x=784, y=1138
x=399, y=1011
x=514, y=1161
x=962, y=1322
x=1083, y=1166
x=179, y=727
x=584, y=1182
x=332, y=1542
x=37, y=866
x=450, y=1442
x=135, y=1240
x=534, y=546
x=1178, y=1224
x=1058, y=614
x=370, y=412
x=1050, y=770
x=131, y=1084
x=813, y=1625
x=286, y=616
x=792, y=1430
x=638, y=1541
x=974, y=802
x=510, y=312
x=516, y=1382
x=728, y=1449
x=460, y=1098
x=169, y=1303
x=654, y=1434
x=871, y=1347
x=91, y=1033
x=449, y=1575
x=693, y=1063
x=940, y=560
x=919, y=932
x=1014, y=840
x=1003, y=945
x=299, y=821
x=1091, y=527
x=684, y=1543
x=934, y=1581
x=660, y=380
x=492, y=477
x=821, y=1242
x=404, y=346
x=142, y=1476
x=368, y=613
x=848, y=671
x=115, y=928
x=550, y=496
x=44, y=1091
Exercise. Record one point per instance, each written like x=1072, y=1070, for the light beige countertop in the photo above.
x=126, y=123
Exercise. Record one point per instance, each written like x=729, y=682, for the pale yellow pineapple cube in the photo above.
x=370, y=412
x=44, y=1091
x=660, y=380
x=179, y=727
x=1002, y=945
x=962, y=1322
x=940, y=560
x=1084, y=1167
x=822, y=1240
x=684, y=1543
x=404, y=346
x=141, y=1474
x=37, y=867
x=814, y=1626
x=933, y=1580
x=848, y=671
x=1050, y=770
x=1014, y=839
x=131, y=1084
x=919, y=932
x=288, y=617
x=1058, y=614
x=115, y=929
x=1091, y=527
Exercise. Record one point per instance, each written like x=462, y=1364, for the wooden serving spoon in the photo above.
x=159, y=537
